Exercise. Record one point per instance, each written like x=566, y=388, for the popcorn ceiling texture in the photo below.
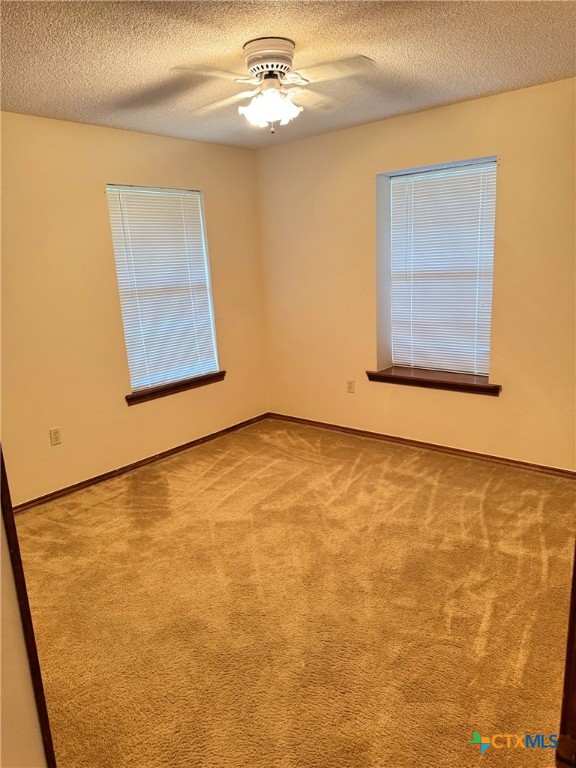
x=112, y=63
x=292, y=597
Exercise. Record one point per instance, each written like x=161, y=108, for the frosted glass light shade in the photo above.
x=271, y=106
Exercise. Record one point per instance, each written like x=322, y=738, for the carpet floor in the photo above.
x=290, y=597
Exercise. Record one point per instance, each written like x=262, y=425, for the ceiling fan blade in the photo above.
x=225, y=102
x=334, y=70
x=222, y=74
x=294, y=78
x=169, y=89
x=249, y=80
x=317, y=102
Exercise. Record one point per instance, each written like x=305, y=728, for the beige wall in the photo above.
x=64, y=357
x=318, y=237
x=64, y=360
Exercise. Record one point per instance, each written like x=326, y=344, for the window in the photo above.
x=438, y=249
x=164, y=285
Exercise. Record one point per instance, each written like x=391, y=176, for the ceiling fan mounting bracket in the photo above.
x=269, y=54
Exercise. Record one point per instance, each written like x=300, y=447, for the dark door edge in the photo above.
x=26, y=617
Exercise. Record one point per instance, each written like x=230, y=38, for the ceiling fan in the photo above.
x=269, y=64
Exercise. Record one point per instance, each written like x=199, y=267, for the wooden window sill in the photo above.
x=177, y=386
x=421, y=377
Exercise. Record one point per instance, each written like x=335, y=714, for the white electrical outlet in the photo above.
x=55, y=436
x=350, y=386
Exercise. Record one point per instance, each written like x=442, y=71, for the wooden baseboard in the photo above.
x=134, y=465
x=429, y=446
x=296, y=420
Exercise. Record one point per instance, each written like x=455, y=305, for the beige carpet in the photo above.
x=290, y=597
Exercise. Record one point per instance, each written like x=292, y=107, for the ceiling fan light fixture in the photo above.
x=269, y=63
x=269, y=107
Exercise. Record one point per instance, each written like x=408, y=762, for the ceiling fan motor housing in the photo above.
x=269, y=54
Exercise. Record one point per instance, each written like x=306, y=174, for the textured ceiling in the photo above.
x=114, y=63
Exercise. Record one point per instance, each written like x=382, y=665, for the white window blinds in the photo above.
x=164, y=283
x=442, y=253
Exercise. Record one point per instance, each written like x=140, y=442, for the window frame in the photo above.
x=154, y=391
x=386, y=371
